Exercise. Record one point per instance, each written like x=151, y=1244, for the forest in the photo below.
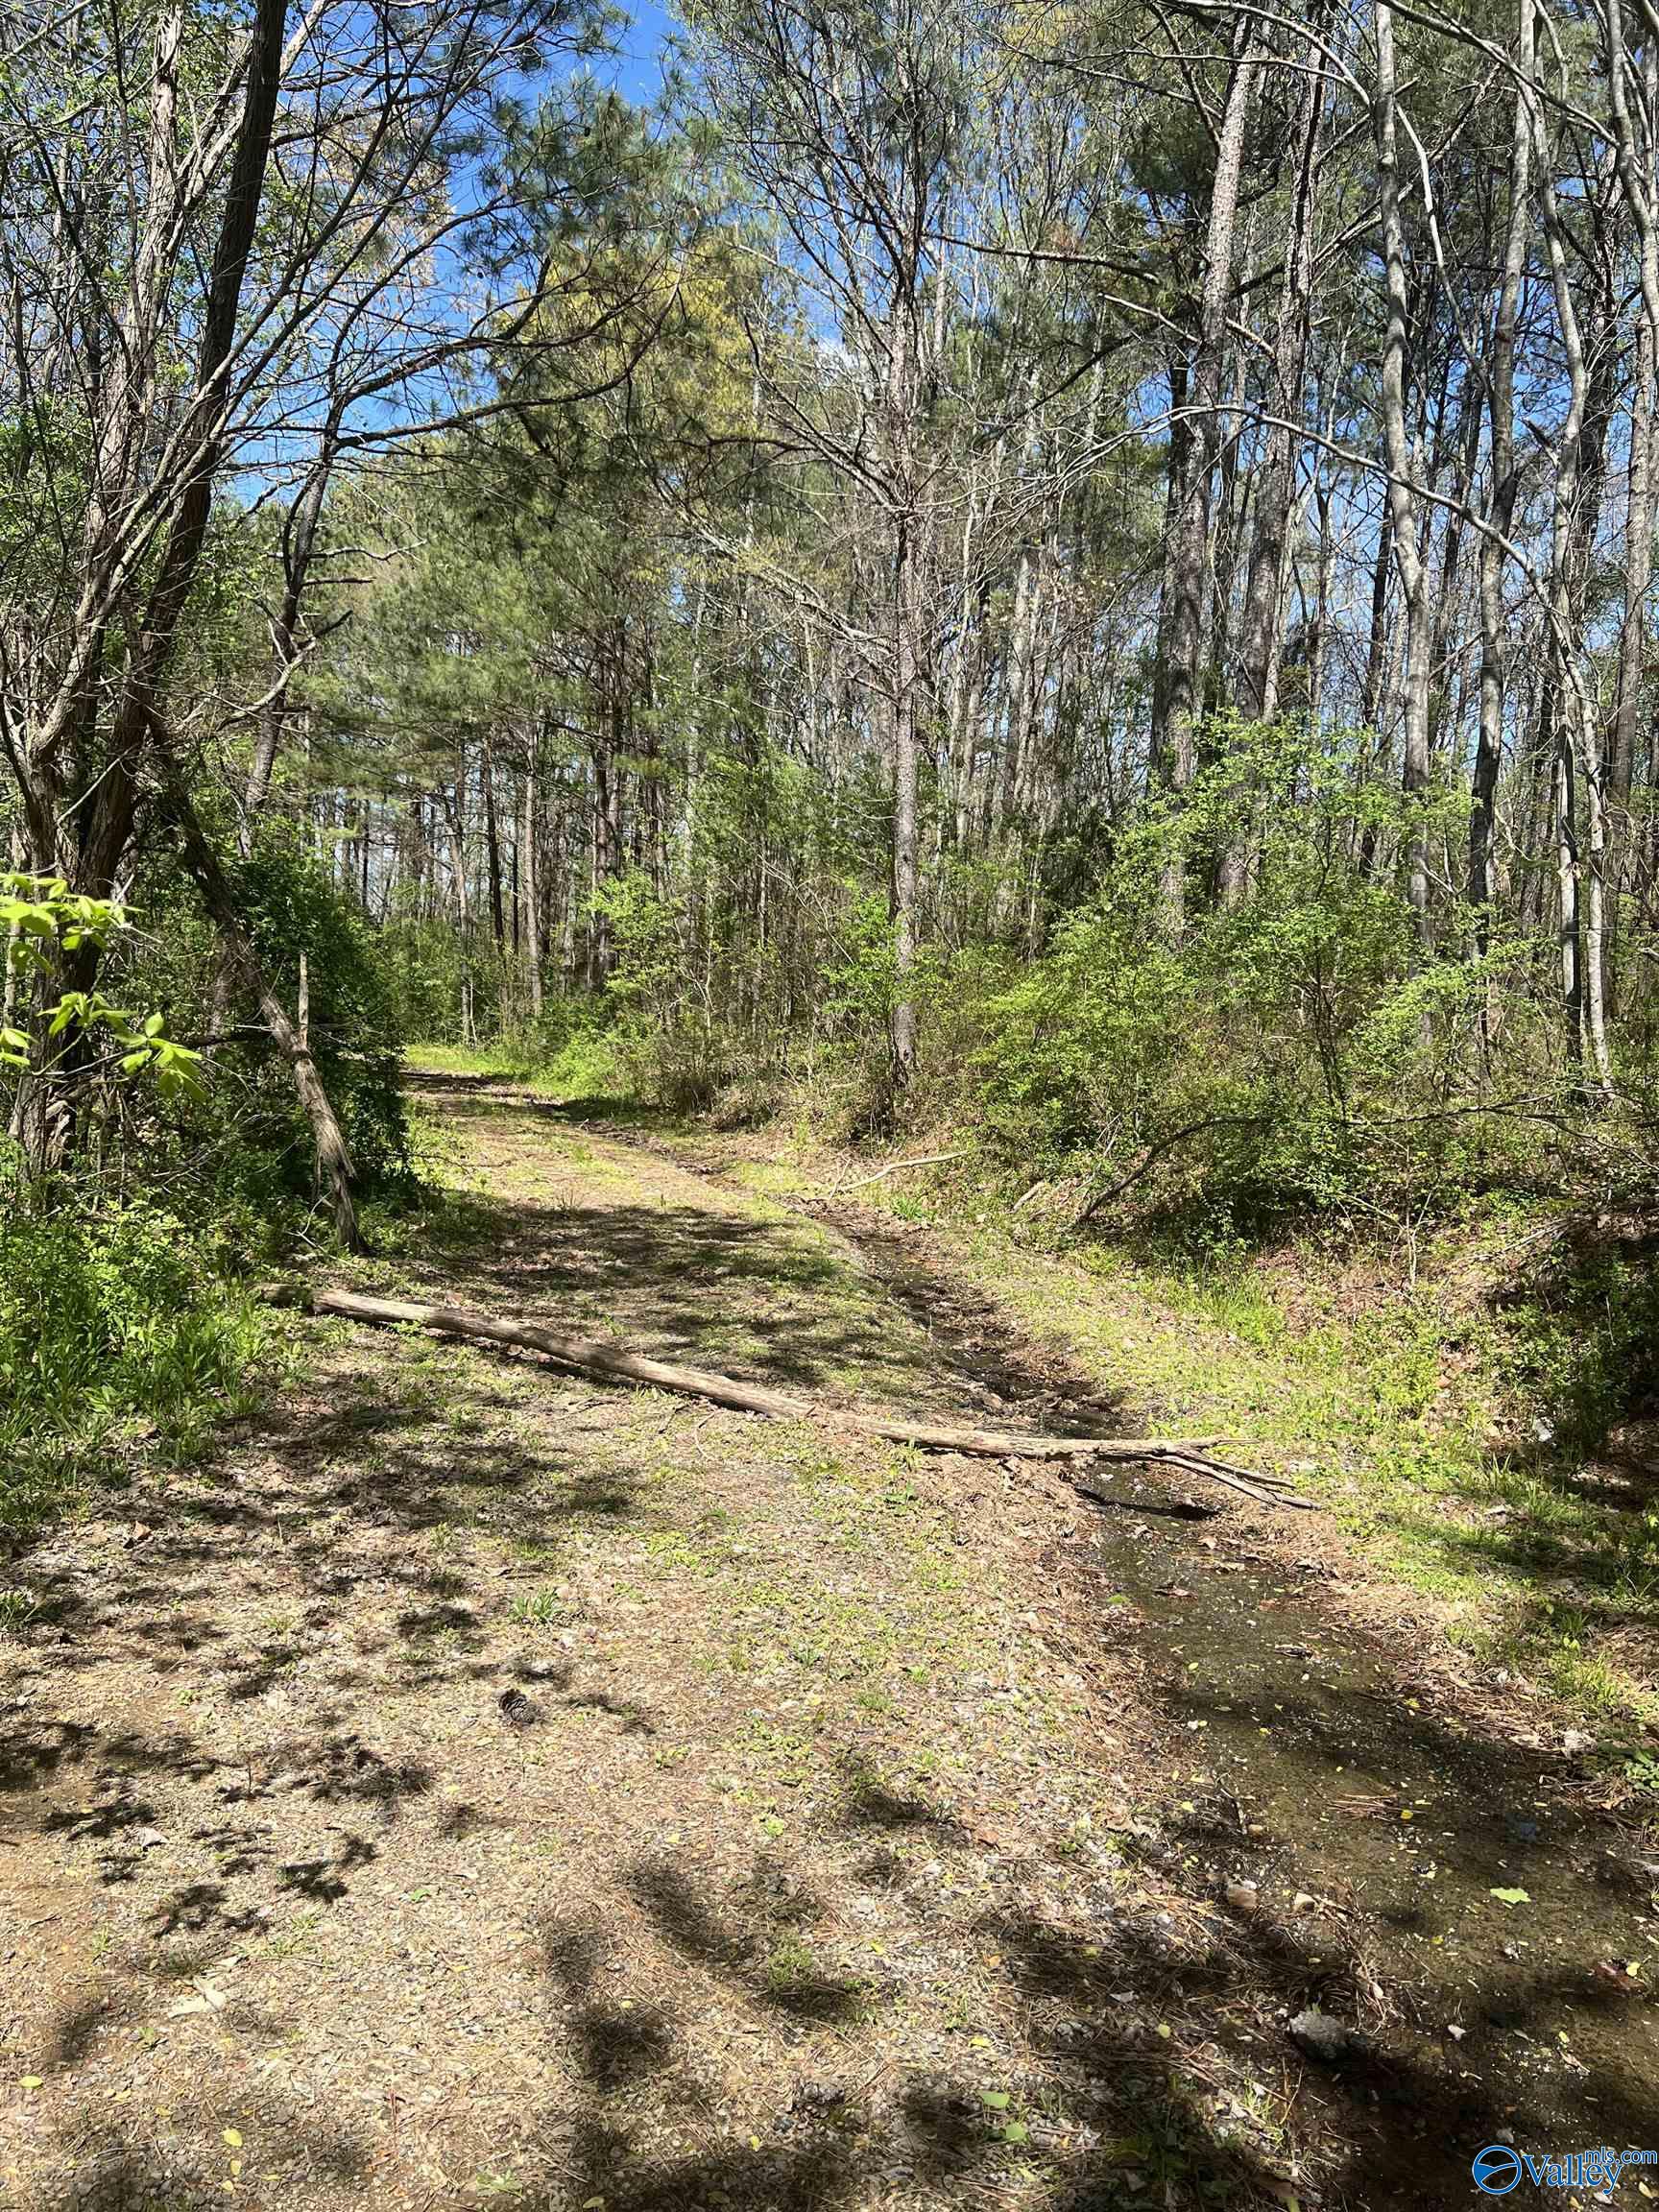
x=952, y=708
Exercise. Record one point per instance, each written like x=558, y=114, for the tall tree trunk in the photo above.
x=905, y=760
x=1564, y=696
x=106, y=825
x=1579, y=476
x=1275, y=489
x=1571, y=933
x=1506, y=481
x=492, y=840
x=1640, y=187
x=1179, y=464
x=530, y=873
x=1276, y=485
x=1403, y=490
x=1180, y=759
x=901, y=385
x=100, y=830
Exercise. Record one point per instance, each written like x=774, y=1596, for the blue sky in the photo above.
x=638, y=66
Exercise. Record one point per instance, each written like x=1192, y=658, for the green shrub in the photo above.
x=1288, y=1055
x=291, y=906
x=247, y=1146
x=586, y=1062
x=106, y=1317
x=1583, y=1340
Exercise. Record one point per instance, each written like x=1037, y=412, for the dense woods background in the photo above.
x=1084, y=572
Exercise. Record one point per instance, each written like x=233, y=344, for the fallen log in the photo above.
x=611, y=1363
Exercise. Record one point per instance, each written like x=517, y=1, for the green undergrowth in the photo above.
x=121, y=1343
x=580, y=1063
x=510, y=1061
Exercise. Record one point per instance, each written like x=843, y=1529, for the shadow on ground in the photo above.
x=702, y=2041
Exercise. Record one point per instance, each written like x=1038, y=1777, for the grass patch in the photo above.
x=17, y=1607
x=1419, y=1417
x=544, y=1607
x=510, y=1061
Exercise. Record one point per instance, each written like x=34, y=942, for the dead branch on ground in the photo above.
x=614, y=1363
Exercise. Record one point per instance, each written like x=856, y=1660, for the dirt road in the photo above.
x=477, y=1787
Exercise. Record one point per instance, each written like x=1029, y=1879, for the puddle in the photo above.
x=1364, y=1793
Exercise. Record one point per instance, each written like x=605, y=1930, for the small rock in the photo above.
x=1321, y=2036
x=1243, y=1896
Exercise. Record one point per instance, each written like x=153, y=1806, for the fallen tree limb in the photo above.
x=611, y=1363
x=893, y=1167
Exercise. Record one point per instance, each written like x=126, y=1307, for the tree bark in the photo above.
x=106, y=824
x=1180, y=759
x=908, y=656
x=1579, y=476
x=1641, y=191
x=530, y=872
x=493, y=841
x=1276, y=485
x=1505, y=483
x=1403, y=490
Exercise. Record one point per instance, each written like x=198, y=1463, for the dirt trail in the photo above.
x=869, y=1841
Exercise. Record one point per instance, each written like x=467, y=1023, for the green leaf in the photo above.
x=1510, y=1896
